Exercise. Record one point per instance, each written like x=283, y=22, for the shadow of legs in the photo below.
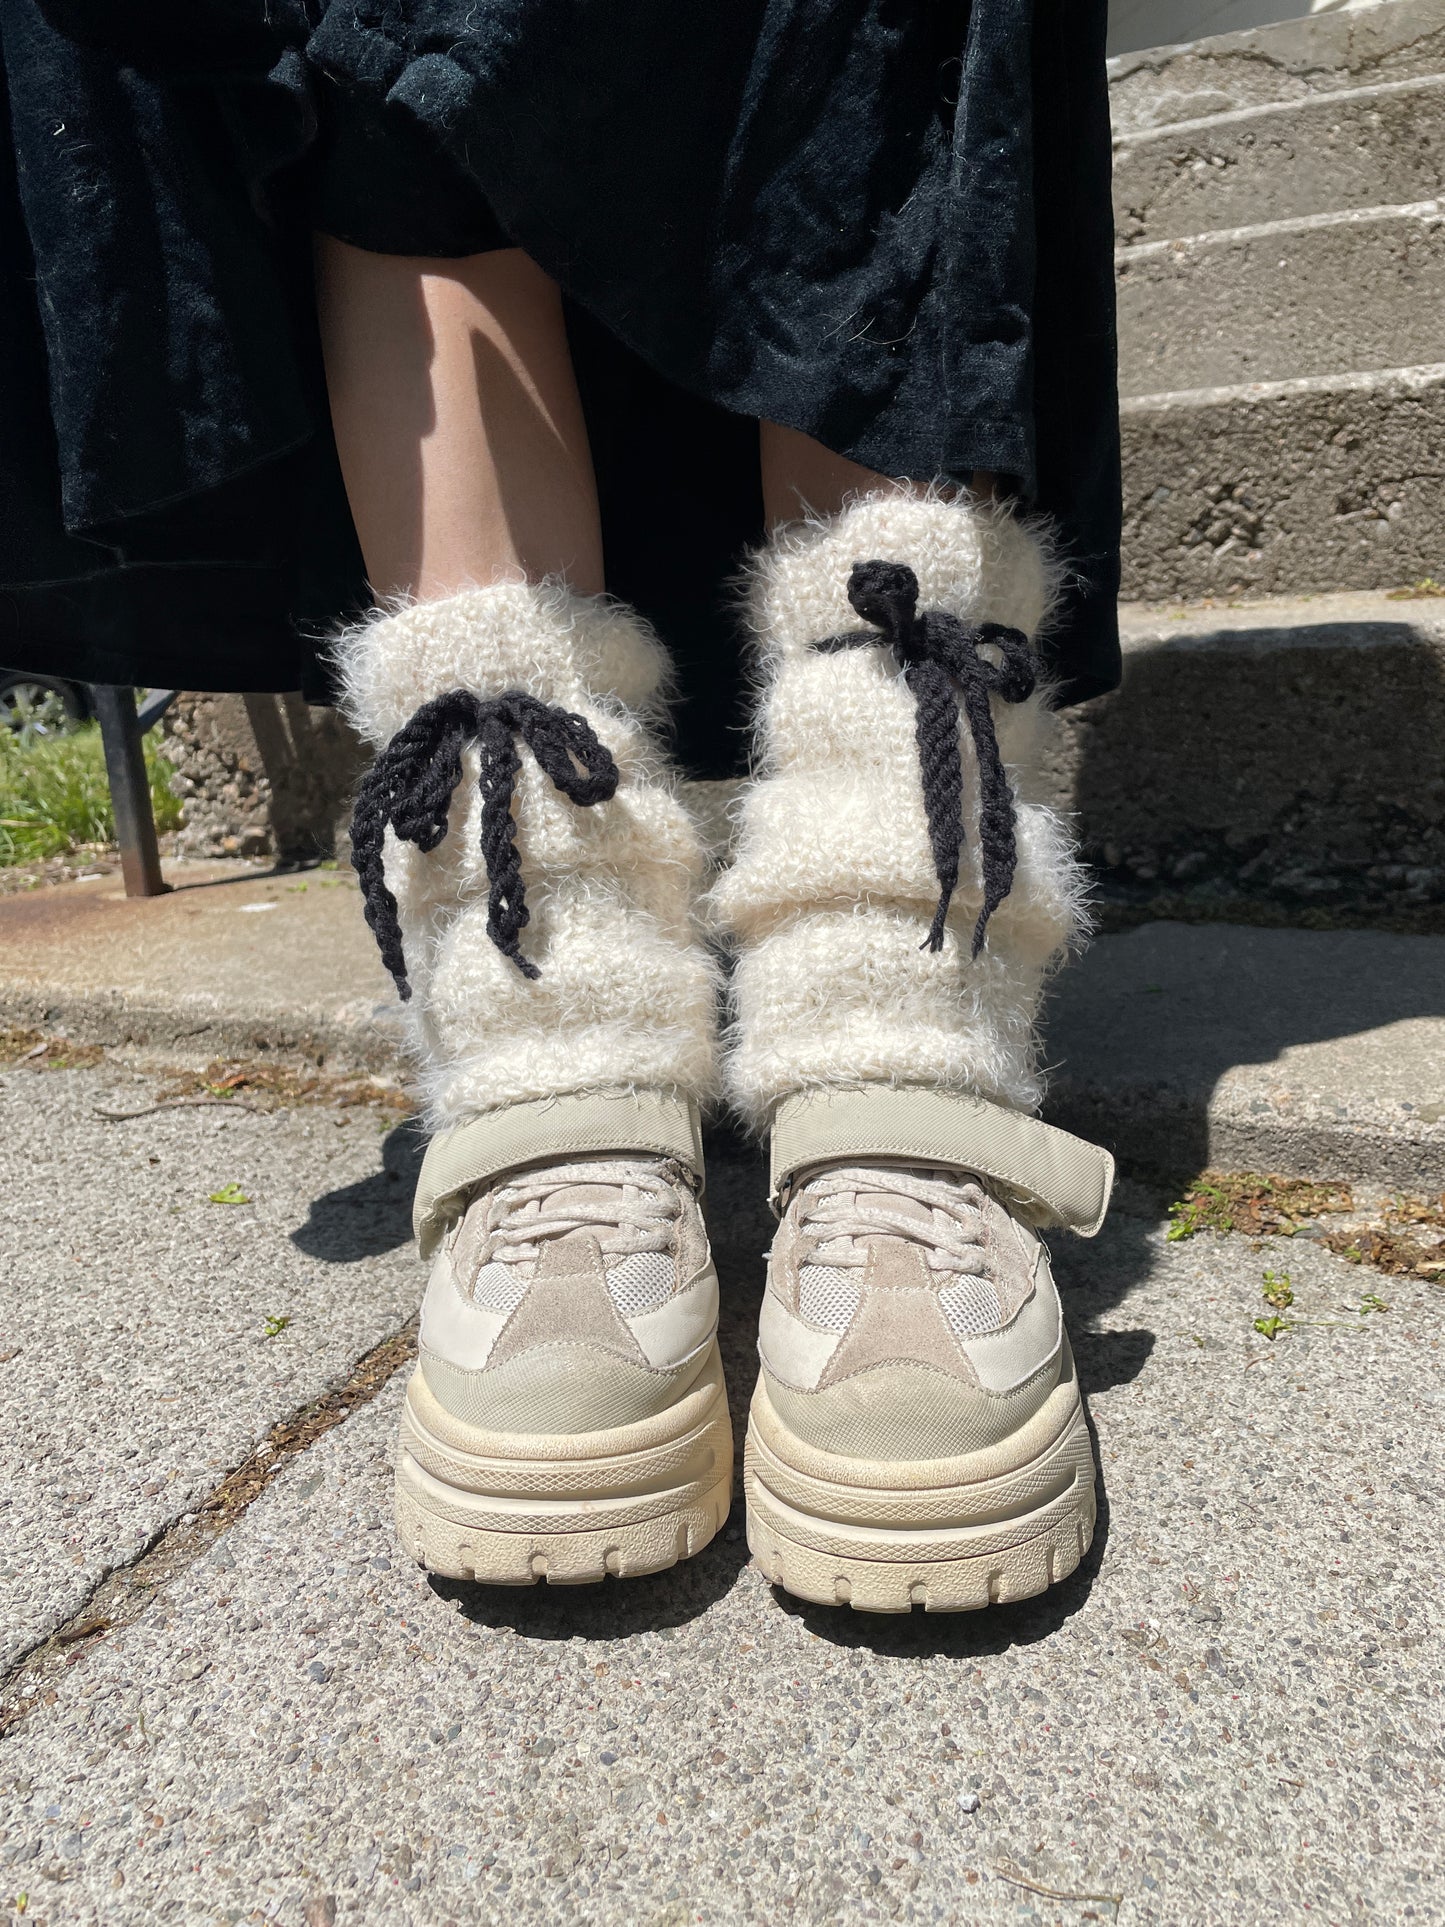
x=373, y=1215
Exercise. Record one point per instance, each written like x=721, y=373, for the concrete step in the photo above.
x=1307, y=1053
x=1326, y=295
x=1275, y=761
x=1363, y=147
x=1265, y=66
x=1313, y=1053
x=1269, y=762
x=1137, y=24
x=1287, y=487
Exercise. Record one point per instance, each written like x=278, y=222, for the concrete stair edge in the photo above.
x=1311, y=1054
x=1299, y=283
x=1279, y=760
x=1172, y=1101
x=1153, y=1130
x=1293, y=59
x=1170, y=133
x=1357, y=618
x=1363, y=147
x=1412, y=378
x=1174, y=245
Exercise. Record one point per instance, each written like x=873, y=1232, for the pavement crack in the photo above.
x=123, y=1593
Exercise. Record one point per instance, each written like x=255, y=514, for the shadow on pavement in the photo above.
x=1143, y=1030
x=274, y=872
x=371, y=1216
x=613, y=1608
x=1094, y=1277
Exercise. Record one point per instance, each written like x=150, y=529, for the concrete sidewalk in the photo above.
x=1231, y=1712
x=1314, y=1053
x=237, y=958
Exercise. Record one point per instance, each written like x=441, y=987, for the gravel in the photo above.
x=1232, y=1712
x=134, y=1367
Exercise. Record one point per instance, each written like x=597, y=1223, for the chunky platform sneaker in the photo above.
x=567, y=1418
x=917, y=1435
x=901, y=891
x=530, y=876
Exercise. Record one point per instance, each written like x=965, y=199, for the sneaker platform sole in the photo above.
x=950, y=1535
x=510, y=1509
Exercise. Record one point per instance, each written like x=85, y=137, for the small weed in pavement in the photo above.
x=1278, y=1294
x=1278, y=1290
x=276, y=1323
x=1252, y=1203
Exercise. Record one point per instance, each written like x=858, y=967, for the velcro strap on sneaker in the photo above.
x=554, y=1129
x=1047, y=1176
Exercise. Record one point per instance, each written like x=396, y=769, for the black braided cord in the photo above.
x=942, y=663
x=410, y=787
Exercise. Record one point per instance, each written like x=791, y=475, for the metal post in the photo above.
x=135, y=825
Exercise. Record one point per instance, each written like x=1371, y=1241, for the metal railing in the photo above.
x=122, y=727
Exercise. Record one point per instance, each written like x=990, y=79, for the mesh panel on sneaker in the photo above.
x=498, y=1288
x=642, y=1282
x=971, y=1307
x=827, y=1296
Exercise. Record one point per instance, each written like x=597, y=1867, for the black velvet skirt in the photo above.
x=883, y=222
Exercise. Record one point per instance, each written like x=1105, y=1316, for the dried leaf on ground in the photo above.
x=1254, y=1204
x=39, y=1052
x=1404, y=1238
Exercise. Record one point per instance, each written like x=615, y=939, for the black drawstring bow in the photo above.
x=941, y=658
x=410, y=786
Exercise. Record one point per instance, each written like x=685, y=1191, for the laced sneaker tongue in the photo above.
x=871, y=1198
x=594, y=1197
x=583, y=1200
x=876, y=1196
x=621, y=1214
x=897, y=1203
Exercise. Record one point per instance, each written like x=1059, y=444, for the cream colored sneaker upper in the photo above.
x=908, y=1315
x=571, y=1297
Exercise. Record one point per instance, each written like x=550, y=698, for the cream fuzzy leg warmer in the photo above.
x=626, y=995
x=834, y=888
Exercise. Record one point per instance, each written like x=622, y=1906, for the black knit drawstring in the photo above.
x=410, y=787
x=940, y=655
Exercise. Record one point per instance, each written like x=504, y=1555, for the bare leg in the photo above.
x=799, y=474
x=457, y=420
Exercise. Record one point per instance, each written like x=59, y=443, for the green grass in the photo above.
x=54, y=797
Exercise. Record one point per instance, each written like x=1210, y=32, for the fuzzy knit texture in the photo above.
x=829, y=902
x=626, y=995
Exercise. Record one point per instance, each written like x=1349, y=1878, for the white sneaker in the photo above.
x=917, y=1435
x=567, y=1417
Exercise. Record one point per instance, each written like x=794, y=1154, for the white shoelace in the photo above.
x=843, y=1210
x=630, y=1207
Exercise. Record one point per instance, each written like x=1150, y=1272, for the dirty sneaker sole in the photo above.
x=950, y=1535
x=510, y=1508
